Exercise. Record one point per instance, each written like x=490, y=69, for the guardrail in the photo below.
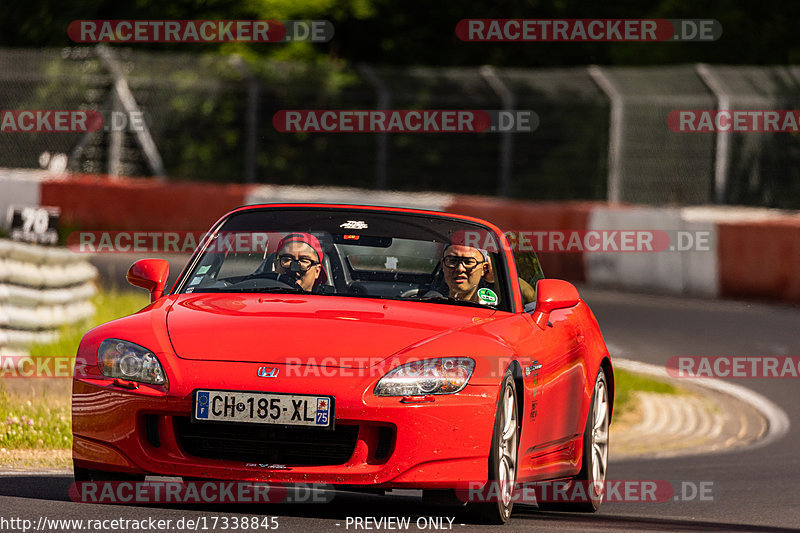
x=41, y=289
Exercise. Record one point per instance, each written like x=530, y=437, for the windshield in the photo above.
x=372, y=254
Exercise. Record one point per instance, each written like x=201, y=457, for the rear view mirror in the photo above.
x=552, y=294
x=149, y=274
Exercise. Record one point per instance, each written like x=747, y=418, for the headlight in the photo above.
x=446, y=375
x=125, y=360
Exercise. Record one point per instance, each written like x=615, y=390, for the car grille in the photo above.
x=266, y=444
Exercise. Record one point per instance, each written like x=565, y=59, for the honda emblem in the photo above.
x=267, y=372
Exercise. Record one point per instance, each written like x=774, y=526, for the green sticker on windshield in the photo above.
x=487, y=296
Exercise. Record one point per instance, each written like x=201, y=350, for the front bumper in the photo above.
x=438, y=444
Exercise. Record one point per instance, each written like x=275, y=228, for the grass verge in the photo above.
x=626, y=383
x=109, y=305
x=35, y=413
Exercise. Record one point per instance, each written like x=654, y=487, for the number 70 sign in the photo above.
x=33, y=224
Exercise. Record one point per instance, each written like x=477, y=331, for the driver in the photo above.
x=465, y=268
x=299, y=256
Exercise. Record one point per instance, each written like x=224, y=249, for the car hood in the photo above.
x=336, y=331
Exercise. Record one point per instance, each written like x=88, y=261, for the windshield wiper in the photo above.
x=273, y=290
x=280, y=290
x=452, y=301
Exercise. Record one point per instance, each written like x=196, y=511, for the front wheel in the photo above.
x=588, y=486
x=502, y=458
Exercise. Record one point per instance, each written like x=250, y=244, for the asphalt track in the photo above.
x=752, y=490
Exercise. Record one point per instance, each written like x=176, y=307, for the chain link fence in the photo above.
x=649, y=163
x=602, y=132
x=758, y=168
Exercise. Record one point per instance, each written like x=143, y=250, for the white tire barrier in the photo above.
x=41, y=290
x=18, y=337
x=34, y=275
x=27, y=296
x=44, y=317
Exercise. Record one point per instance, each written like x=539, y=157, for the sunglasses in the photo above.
x=286, y=261
x=452, y=261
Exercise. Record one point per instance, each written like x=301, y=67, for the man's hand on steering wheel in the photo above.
x=287, y=279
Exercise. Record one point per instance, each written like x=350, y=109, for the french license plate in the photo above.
x=263, y=408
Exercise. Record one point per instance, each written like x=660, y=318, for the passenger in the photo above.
x=465, y=268
x=299, y=256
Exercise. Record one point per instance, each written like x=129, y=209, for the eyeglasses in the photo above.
x=452, y=261
x=304, y=262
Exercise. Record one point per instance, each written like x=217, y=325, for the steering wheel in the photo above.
x=269, y=279
x=411, y=293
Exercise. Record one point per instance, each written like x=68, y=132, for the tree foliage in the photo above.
x=415, y=32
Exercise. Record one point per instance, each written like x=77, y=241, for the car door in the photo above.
x=563, y=376
x=553, y=379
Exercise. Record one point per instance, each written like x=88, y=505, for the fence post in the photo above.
x=508, y=101
x=382, y=142
x=615, y=125
x=723, y=138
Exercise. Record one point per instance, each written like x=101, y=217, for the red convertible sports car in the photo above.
x=361, y=347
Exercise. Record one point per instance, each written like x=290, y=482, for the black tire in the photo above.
x=503, y=458
x=594, y=465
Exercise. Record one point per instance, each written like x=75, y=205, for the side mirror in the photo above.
x=149, y=274
x=552, y=294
